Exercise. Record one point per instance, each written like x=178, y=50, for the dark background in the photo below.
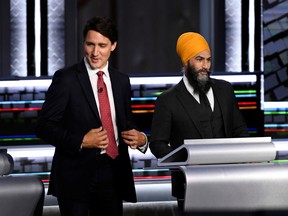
x=148, y=30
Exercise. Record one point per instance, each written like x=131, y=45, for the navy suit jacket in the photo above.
x=68, y=113
x=175, y=117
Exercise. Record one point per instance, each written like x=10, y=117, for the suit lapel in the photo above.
x=87, y=89
x=189, y=104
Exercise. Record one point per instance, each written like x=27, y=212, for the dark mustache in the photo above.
x=203, y=70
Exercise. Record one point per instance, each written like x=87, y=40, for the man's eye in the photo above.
x=102, y=45
x=89, y=44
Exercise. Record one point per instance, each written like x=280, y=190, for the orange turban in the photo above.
x=190, y=44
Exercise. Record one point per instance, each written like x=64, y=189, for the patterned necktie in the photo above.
x=106, y=118
x=205, y=102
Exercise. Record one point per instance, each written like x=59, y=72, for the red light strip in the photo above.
x=18, y=109
x=143, y=106
x=45, y=181
x=247, y=103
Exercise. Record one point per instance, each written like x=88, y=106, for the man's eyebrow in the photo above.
x=199, y=56
x=89, y=42
x=202, y=57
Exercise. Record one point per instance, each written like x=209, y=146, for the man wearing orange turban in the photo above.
x=195, y=108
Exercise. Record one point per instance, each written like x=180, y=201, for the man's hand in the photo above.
x=133, y=138
x=95, y=138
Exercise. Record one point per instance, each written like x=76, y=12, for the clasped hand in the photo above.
x=98, y=138
x=133, y=138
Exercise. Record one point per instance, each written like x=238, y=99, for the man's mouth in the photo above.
x=94, y=60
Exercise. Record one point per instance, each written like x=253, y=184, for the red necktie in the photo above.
x=106, y=118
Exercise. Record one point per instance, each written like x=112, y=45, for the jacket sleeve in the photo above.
x=160, y=129
x=50, y=125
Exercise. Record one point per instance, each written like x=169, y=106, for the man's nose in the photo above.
x=205, y=65
x=95, y=51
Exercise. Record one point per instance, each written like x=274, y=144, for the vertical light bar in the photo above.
x=251, y=46
x=37, y=22
x=233, y=42
x=18, y=28
x=262, y=41
x=56, y=35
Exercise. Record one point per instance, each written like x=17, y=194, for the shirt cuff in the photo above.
x=144, y=147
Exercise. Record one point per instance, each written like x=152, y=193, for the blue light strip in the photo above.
x=22, y=102
x=143, y=98
x=19, y=136
x=275, y=125
x=245, y=95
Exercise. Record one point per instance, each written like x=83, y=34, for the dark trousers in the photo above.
x=104, y=198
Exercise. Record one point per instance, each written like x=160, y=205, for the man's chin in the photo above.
x=203, y=77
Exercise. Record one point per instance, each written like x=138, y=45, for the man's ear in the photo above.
x=184, y=69
x=113, y=47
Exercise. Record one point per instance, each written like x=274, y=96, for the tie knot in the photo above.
x=100, y=73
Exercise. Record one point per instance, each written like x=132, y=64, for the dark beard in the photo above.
x=198, y=85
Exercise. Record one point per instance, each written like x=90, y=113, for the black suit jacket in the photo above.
x=175, y=117
x=68, y=113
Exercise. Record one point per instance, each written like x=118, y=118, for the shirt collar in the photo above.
x=94, y=71
x=188, y=86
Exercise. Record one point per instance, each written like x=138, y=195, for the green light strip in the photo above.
x=280, y=161
x=276, y=112
x=17, y=139
x=245, y=91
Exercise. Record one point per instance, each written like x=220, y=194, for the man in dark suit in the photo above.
x=85, y=177
x=197, y=107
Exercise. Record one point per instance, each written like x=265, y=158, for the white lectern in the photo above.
x=233, y=174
